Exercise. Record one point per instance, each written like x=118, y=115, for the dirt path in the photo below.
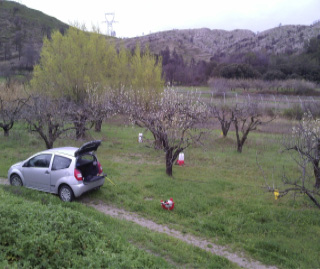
x=4, y=181
x=112, y=211
x=237, y=258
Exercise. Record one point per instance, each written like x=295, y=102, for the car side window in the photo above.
x=40, y=161
x=60, y=162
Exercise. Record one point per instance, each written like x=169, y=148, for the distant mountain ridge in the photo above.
x=22, y=30
x=202, y=44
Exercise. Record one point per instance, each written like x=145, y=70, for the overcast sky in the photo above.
x=138, y=17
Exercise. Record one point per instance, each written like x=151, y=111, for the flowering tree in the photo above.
x=304, y=140
x=171, y=118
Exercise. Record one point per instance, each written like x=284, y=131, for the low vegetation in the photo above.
x=40, y=231
x=287, y=87
x=219, y=194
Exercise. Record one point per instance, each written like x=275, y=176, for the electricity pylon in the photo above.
x=110, y=20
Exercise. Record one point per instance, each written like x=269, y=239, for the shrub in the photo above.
x=274, y=75
x=239, y=71
x=293, y=113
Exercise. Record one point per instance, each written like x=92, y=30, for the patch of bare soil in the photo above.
x=237, y=258
x=4, y=181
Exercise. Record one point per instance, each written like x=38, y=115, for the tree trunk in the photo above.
x=80, y=126
x=169, y=162
x=80, y=131
x=98, y=125
x=316, y=172
x=225, y=126
x=6, y=132
x=157, y=142
x=6, y=128
x=49, y=144
x=239, y=148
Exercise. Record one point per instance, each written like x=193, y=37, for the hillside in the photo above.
x=22, y=30
x=202, y=44
x=21, y=33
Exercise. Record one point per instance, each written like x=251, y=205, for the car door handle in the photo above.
x=47, y=172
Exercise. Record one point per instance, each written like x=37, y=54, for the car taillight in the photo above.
x=100, y=168
x=77, y=174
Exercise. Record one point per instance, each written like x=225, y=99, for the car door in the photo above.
x=59, y=169
x=36, y=172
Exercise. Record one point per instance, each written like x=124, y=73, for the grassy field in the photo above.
x=40, y=231
x=218, y=194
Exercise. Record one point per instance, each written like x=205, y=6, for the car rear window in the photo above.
x=60, y=162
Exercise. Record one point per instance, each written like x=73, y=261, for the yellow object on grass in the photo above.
x=276, y=194
x=111, y=181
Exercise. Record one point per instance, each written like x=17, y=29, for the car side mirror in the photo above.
x=26, y=164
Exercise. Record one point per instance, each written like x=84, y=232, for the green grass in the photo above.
x=40, y=231
x=218, y=195
x=192, y=88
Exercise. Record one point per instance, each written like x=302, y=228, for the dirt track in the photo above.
x=4, y=181
x=237, y=258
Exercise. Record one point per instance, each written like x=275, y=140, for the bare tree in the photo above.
x=303, y=144
x=11, y=104
x=171, y=120
x=102, y=106
x=9, y=113
x=81, y=116
x=224, y=115
x=246, y=118
x=7, y=51
x=48, y=117
x=297, y=185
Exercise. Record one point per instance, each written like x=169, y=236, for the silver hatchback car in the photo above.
x=68, y=171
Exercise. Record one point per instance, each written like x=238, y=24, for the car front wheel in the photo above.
x=66, y=194
x=15, y=180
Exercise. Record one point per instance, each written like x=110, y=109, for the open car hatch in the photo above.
x=88, y=147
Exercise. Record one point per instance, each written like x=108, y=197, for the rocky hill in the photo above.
x=202, y=44
x=22, y=30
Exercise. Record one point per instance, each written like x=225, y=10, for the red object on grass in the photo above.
x=167, y=205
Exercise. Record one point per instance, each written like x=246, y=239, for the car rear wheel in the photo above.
x=66, y=194
x=15, y=180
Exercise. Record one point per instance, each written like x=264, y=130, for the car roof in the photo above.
x=65, y=151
